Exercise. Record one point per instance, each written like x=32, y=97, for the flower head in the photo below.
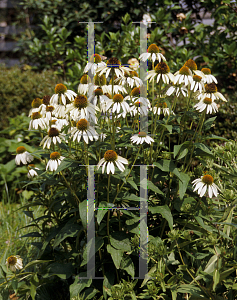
x=54, y=136
x=211, y=92
x=83, y=129
x=61, y=92
x=208, y=104
x=181, y=17
x=36, y=121
x=81, y=107
x=191, y=65
x=134, y=63
x=184, y=75
x=160, y=108
x=208, y=77
x=32, y=173
x=55, y=161
x=115, y=64
x=118, y=102
x=152, y=54
x=112, y=159
x=162, y=72
x=23, y=156
x=197, y=84
x=141, y=137
x=36, y=103
x=130, y=79
x=95, y=62
x=205, y=183
x=14, y=262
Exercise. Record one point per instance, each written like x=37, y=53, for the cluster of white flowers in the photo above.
x=121, y=97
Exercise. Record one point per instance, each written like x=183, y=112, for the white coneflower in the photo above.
x=58, y=123
x=60, y=110
x=197, y=84
x=162, y=72
x=134, y=63
x=61, y=92
x=37, y=121
x=47, y=113
x=117, y=89
x=160, y=108
x=152, y=54
x=114, y=63
x=35, y=104
x=135, y=96
x=177, y=89
x=23, y=156
x=82, y=108
x=191, y=65
x=116, y=104
x=98, y=98
x=112, y=159
x=141, y=137
x=206, y=103
x=184, y=75
x=83, y=129
x=130, y=79
x=205, y=183
x=84, y=84
x=211, y=92
x=14, y=262
x=95, y=62
x=146, y=19
x=54, y=136
x=54, y=162
x=139, y=107
x=208, y=77
x=32, y=173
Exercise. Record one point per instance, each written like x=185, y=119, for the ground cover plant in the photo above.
x=134, y=148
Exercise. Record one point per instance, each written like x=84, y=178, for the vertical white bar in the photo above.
x=143, y=73
x=143, y=257
x=90, y=223
x=91, y=53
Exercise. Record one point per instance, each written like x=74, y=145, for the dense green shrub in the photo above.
x=18, y=88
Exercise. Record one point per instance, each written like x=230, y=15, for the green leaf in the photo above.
x=117, y=255
x=208, y=123
x=183, y=185
x=215, y=137
x=120, y=241
x=147, y=276
x=31, y=234
x=62, y=270
x=150, y=185
x=35, y=262
x=216, y=279
x=203, y=149
x=165, y=212
x=202, y=224
x=79, y=284
x=66, y=163
x=101, y=212
x=226, y=273
x=127, y=265
x=132, y=183
x=69, y=230
x=99, y=242
x=168, y=166
x=210, y=267
x=168, y=127
x=83, y=213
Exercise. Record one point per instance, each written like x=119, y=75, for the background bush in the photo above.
x=18, y=88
